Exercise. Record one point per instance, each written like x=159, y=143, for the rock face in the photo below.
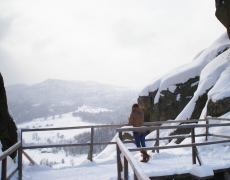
x=171, y=102
x=223, y=13
x=218, y=108
x=8, y=130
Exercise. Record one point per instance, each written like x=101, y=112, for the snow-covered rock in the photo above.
x=188, y=90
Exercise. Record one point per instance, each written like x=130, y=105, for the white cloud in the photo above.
x=122, y=42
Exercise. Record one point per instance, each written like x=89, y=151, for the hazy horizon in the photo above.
x=70, y=81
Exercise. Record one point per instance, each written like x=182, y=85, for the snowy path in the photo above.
x=93, y=171
x=167, y=162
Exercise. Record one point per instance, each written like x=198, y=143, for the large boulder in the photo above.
x=183, y=92
x=223, y=13
x=8, y=129
x=171, y=101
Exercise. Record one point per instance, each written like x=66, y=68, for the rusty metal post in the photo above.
x=193, y=147
x=4, y=169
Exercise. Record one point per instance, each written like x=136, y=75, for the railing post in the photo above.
x=119, y=168
x=20, y=162
x=91, y=145
x=126, y=169
x=4, y=168
x=120, y=135
x=198, y=157
x=20, y=159
x=157, y=141
x=193, y=147
x=206, y=136
x=135, y=177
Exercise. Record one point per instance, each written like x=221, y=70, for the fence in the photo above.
x=19, y=146
x=195, y=153
x=91, y=143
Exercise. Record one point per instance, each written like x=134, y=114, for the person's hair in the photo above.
x=135, y=105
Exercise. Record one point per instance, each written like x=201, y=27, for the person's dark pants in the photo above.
x=140, y=139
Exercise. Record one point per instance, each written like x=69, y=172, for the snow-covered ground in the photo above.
x=167, y=162
x=90, y=109
x=57, y=136
x=65, y=120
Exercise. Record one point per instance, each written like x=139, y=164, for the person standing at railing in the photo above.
x=136, y=119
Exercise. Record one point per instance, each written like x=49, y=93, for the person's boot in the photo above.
x=144, y=159
x=145, y=156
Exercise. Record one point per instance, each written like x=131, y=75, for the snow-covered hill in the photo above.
x=54, y=97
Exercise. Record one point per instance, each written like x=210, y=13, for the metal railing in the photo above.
x=128, y=157
x=3, y=158
x=19, y=146
x=195, y=153
x=91, y=143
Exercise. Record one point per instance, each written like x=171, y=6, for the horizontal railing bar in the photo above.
x=13, y=172
x=178, y=137
x=170, y=127
x=112, y=125
x=216, y=118
x=75, y=127
x=178, y=146
x=174, y=121
x=168, y=137
x=10, y=150
x=101, y=143
x=53, y=145
x=132, y=161
x=221, y=136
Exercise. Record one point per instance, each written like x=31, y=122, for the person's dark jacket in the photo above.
x=136, y=118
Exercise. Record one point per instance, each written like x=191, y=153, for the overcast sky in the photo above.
x=120, y=42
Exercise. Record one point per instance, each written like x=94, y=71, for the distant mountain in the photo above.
x=55, y=97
